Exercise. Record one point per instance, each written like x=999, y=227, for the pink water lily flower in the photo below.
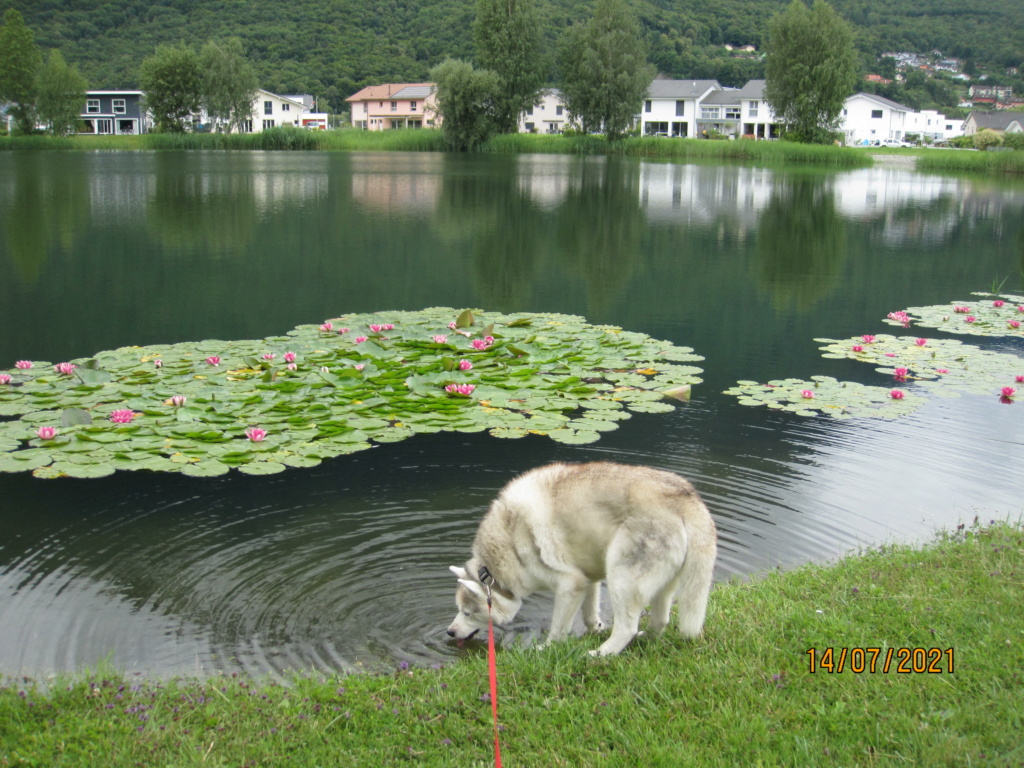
x=46, y=433
x=293, y=367
x=858, y=348
x=158, y=363
x=213, y=360
x=896, y=394
x=327, y=327
x=920, y=342
x=256, y=435
x=1015, y=324
x=1020, y=308
x=451, y=325
x=961, y=310
x=23, y=365
x=867, y=338
x=900, y=373
x=942, y=370
x=998, y=303
x=465, y=365
x=890, y=354
x=289, y=357
x=388, y=327
x=122, y=416
x=460, y=389
x=269, y=355
x=360, y=366
x=360, y=339
x=479, y=344
x=342, y=330
x=5, y=378
x=807, y=393
x=178, y=400
x=65, y=368
x=1020, y=379
x=440, y=339
x=1008, y=392
x=970, y=319
x=376, y=328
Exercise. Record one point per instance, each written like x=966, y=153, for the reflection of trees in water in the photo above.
x=802, y=243
x=46, y=210
x=190, y=207
x=502, y=227
x=601, y=226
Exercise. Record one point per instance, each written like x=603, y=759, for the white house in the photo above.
x=550, y=116
x=933, y=126
x=672, y=107
x=868, y=118
x=272, y=111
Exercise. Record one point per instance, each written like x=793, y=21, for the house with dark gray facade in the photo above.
x=114, y=113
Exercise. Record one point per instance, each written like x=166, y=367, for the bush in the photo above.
x=986, y=139
x=962, y=142
x=1013, y=140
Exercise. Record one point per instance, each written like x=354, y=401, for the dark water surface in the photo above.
x=345, y=565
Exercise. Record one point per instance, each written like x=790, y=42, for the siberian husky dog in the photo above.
x=564, y=528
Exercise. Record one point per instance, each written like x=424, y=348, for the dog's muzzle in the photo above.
x=470, y=636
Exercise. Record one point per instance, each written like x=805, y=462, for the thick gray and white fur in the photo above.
x=565, y=528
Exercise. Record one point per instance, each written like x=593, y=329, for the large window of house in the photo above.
x=656, y=129
x=876, y=113
x=267, y=124
x=268, y=107
x=754, y=107
x=92, y=106
x=680, y=107
x=394, y=106
x=246, y=126
x=558, y=110
x=105, y=126
x=709, y=113
x=732, y=113
x=119, y=107
x=647, y=106
x=286, y=107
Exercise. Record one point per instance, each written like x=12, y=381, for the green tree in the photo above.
x=509, y=43
x=60, y=94
x=466, y=100
x=605, y=72
x=19, y=62
x=229, y=83
x=810, y=70
x=173, y=83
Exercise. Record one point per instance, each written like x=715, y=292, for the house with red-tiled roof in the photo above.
x=395, y=105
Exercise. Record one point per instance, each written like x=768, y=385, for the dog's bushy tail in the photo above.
x=696, y=578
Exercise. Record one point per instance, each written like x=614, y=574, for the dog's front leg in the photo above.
x=569, y=596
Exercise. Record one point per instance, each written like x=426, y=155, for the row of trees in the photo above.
x=50, y=92
x=810, y=70
x=177, y=81
x=604, y=72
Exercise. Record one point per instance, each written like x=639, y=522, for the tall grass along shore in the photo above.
x=896, y=656
x=766, y=152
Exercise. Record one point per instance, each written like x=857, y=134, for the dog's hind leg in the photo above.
x=661, y=607
x=592, y=607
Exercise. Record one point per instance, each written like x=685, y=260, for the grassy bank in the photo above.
x=743, y=695
x=991, y=163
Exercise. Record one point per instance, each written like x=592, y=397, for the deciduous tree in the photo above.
x=173, y=83
x=810, y=70
x=229, y=83
x=509, y=43
x=60, y=95
x=605, y=72
x=466, y=100
x=19, y=62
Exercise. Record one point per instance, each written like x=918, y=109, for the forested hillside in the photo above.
x=331, y=48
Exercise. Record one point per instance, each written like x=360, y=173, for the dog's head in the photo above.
x=471, y=599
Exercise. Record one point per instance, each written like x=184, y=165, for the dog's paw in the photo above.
x=597, y=626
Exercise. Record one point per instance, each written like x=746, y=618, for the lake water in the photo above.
x=344, y=566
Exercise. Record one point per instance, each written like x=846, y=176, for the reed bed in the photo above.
x=990, y=163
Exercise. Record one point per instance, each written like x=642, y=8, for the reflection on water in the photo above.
x=345, y=565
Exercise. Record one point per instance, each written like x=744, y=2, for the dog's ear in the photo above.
x=459, y=572
x=474, y=587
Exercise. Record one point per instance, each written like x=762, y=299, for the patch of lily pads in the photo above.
x=320, y=391
x=940, y=367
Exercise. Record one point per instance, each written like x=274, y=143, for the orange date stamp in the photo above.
x=903, y=661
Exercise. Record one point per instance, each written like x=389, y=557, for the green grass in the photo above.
x=742, y=695
x=992, y=163
x=761, y=152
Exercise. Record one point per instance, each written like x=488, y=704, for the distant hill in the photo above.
x=331, y=48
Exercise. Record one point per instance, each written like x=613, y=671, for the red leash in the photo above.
x=492, y=666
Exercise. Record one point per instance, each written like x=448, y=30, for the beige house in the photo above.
x=1000, y=122
x=395, y=105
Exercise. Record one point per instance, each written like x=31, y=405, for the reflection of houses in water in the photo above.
x=547, y=179
x=397, y=184
x=695, y=194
